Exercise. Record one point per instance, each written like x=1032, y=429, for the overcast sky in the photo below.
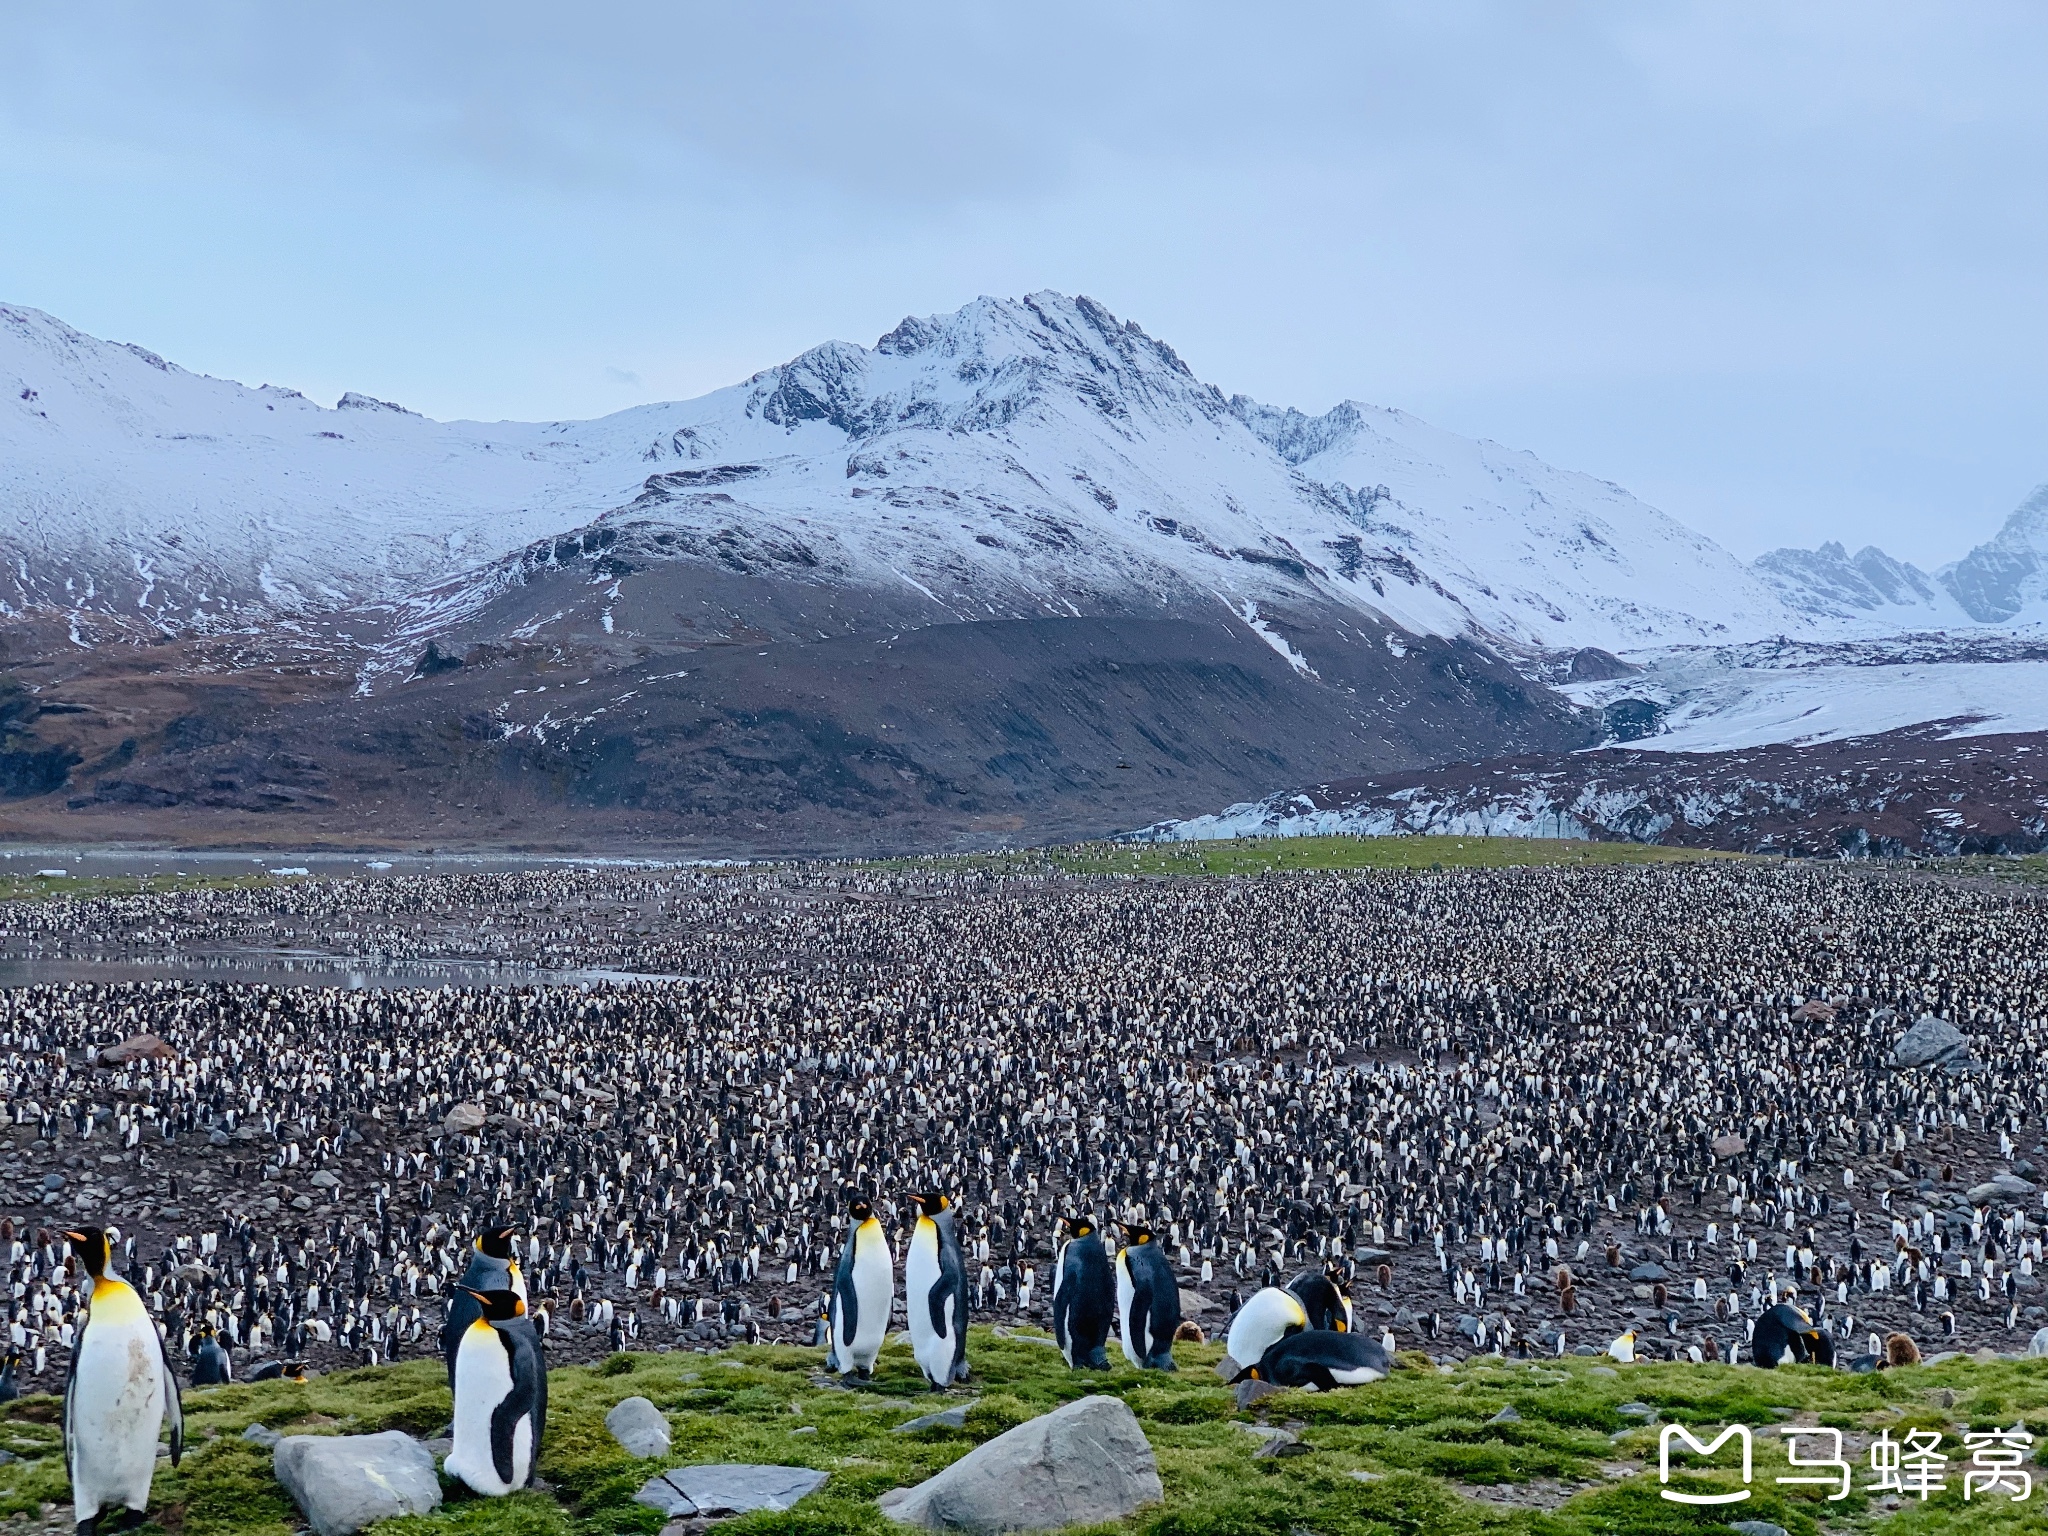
x=1778, y=268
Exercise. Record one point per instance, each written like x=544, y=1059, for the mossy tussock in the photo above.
x=1434, y=1453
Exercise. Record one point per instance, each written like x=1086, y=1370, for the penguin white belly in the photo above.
x=483, y=1380
x=116, y=1409
x=1131, y=1330
x=875, y=1284
x=933, y=1349
x=1263, y=1322
x=1062, y=1334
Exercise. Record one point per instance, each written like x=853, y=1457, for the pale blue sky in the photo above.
x=1777, y=267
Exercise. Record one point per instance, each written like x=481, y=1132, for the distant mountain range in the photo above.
x=1010, y=572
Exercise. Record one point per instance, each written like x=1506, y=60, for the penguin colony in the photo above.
x=1487, y=1102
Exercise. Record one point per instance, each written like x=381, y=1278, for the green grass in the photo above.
x=1260, y=855
x=1437, y=1463
x=32, y=887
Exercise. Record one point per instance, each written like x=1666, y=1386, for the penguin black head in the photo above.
x=499, y=1306
x=496, y=1242
x=932, y=1203
x=92, y=1248
x=861, y=1209
x=1077, y=1226
x=1136, y=1236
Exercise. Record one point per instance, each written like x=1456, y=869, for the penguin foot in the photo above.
x=89, y=1526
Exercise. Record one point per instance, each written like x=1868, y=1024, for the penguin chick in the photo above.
x=1083, y=1296
x=1148, y=1300
x=935, y=1293
x=501, y=1397
x=120, y=1393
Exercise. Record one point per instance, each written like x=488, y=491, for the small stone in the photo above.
x=1649, y=1273
x=1602, y=1370
x=53, y=1181
x=325, y=1179
x=1931, y=1042
x=946, y=1418
x=1249, y=1392
x=1086, y=1463
x=263, y=1435
x=465, y=1119
x=1756, y=1528
x=1507, y=1415
x=640, y=1428
x=737, y=1489
x=343, y=1483
x=1641, y=1411
x=664, y=1497
x=136, y=1048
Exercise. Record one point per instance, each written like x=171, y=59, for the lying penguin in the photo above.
x=1322, y=1358
x=1784, y=1330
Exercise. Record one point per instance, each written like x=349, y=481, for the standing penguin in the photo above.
x=501, y=1397
x=1148, y=1297
x=120, y=1392
x=861, y=1293
x=1083, y=1296
x=212, y=1366
x=491, y=1268
x=1323, y=1299
x=935, y=1293
x=10, y=1379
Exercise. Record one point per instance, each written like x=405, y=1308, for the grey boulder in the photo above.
x=1757, y=1528
x=1932, y=1043
x=1087, y=1463
x=2006, y=1186
x=1648, y=1272
x=727, y=1488
x=2038, y=1345
x=342, y=1483
x=639, y=1427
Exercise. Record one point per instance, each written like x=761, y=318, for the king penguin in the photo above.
x=1270, y=1316
x=861, y=1292
x=120, y=1392
x=1321, y=1358
x=212, y=1366
x=491, y=1268
x=935, y=1293
x=1149, y=1299
x=1323, y=1299
x=1083, y=1296
x=501, y=1397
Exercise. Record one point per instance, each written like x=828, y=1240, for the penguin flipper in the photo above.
x=512, y=1407
x=846, y=1318
x=174, y=1404
x=70, y=1400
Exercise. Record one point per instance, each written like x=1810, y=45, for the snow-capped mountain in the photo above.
x=1866, y=589
x=1546, y=558
x=2006, y=580
x=1016, y=457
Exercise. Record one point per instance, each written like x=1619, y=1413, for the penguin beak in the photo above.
x=479, y=1295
